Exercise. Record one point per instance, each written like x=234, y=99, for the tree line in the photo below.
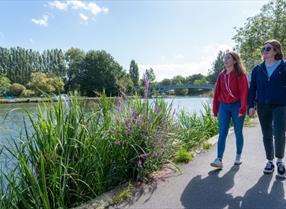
x=26, y=72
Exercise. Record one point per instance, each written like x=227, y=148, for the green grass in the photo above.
x=124, y=194
x=74, y=153
x=183, y=156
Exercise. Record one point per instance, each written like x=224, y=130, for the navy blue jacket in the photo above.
x=264, y=90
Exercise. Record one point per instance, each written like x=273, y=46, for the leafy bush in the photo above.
x=16, y=89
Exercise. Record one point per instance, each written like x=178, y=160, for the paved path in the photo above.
x=201, y=187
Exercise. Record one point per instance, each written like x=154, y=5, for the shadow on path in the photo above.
x=211, y=191
x=258, y=196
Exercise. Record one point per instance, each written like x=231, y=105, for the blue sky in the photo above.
x=174, y=37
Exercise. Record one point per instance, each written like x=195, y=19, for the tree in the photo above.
x=194, y=77
x=134, y=74
x=270, y=23
x=75, y=58
x=217, y=66
x=178, y=79
x=16, y=89
x=124, y=83
x=42, y=82
x=166, y=81
x=100, y=72
x=4, y=85
x=57, y=83
x=149, y=75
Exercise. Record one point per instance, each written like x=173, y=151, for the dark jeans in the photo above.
x=272, y=120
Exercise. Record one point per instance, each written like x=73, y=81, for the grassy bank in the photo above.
x=73, y=154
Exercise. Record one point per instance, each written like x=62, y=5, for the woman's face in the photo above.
x=228, y=60
x=268, y=52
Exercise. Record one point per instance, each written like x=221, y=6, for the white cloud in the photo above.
x=83, y=17
x=41, y=22
x=95, y=9
x=58, y=5
x=90, y=7
x=203, y=63
x=31, y=40
x=77, y=4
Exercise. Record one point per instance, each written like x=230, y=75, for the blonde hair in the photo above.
x=277, y=47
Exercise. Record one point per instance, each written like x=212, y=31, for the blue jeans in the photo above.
x=225, y=113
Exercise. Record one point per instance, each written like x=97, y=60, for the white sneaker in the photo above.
x=237, y=160
x=217, y=163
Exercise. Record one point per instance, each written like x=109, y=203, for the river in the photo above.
x=11, y=115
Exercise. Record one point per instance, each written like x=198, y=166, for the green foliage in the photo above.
x=197, y=79
x=270, y=23
x=101, y=72
x=178, y=79
x=42, y=82
x=4, y=85
x=124, y=194
x=17, y=89
x=217, y=66
x=149, y=75
x=183, y=155
x=134, y=74
x=18, y=63
x=166, y=81
x=57, y=83
x=75, y=60
x=206, y=145
x=194, y=130
x=181, y=92
x=27, y=93
x=200, y=81
x=73, y=154
x=124, y=83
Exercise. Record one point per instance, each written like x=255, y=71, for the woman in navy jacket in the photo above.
x=268, y=91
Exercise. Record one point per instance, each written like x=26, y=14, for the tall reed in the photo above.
x=194, y=129
x=72, y=154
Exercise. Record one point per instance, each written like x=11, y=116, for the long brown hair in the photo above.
x=277, y=47
x=238, y=66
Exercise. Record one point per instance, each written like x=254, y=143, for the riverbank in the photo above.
x=201, y=186
x=70, y=156
x=4, y=100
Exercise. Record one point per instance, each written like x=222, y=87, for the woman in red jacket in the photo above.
x=230, y=101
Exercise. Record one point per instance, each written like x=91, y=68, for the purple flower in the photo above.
x=128, y=127
x=119, y=103
x=134, y=113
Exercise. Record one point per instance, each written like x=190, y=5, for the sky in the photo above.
x=174, y=37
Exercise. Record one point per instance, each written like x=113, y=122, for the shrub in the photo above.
x=16, y=89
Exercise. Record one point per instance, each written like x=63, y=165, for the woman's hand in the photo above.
x=251, y=112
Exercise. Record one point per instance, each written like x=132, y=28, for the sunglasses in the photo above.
x=266, y=49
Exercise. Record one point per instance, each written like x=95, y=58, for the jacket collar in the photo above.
x=262, y=66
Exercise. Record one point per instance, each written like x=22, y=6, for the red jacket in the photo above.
x=231, y=88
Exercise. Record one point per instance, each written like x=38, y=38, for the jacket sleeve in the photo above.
x=252, y=89
x=216, y=96
x=243, y=92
